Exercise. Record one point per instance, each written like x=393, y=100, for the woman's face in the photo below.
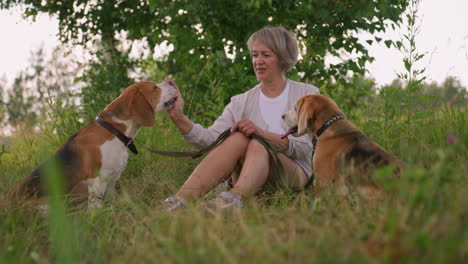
x=265, y=62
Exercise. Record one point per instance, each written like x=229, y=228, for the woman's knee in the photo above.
x=236, y=142
x=256, y=147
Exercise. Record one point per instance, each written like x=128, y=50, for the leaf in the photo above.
x=419, y=56
x=153, y=4
x=407, y=64
x=142, y=31
x=388, y=43
x=399, y=44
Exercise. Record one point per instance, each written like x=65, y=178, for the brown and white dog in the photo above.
x=343, y=154
x=93, y=159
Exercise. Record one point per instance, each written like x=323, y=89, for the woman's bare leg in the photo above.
x=295, y=176
x=215, y=167
x=255, y=170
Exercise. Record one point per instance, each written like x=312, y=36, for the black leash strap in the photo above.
x=193, y=154
x=128, y=142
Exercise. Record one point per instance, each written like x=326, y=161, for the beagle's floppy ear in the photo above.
x=305, y=113
x=152, y=93
x=142, y=110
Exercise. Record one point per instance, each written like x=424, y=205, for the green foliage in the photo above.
x=403, y=102
x=209, y=57
x=450, y=92
x=413, y=77
x=210, y=41
x=61, y=120
x=350, y=98
x=104, y=81
x=19, y=107
x=93, y=24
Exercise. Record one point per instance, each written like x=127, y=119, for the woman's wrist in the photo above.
x=183, y=123
x=177, y=117
x=281, y=144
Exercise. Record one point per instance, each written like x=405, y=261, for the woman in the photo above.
x=274, y=51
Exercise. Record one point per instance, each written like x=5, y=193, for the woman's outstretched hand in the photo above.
x=176, y=112
x=247, y=127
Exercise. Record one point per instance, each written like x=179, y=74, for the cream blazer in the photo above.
x=246, y=106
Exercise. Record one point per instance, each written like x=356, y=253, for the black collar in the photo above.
x=128, y=142
x=323, y=128
x=328, y=124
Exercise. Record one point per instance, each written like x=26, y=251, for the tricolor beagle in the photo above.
x=343, y=154
x=93, y=159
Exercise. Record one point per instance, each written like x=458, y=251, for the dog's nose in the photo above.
x=170, y=83
x=283, y=116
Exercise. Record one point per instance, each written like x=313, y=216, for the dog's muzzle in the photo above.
x=171, y=102
x=292, y=130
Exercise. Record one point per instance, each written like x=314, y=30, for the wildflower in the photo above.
x=451, y=139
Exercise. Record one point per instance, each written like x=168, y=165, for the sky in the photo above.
x=443, y=37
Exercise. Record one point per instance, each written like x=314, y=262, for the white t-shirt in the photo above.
x=272, y=109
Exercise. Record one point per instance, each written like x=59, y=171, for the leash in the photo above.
x=193, y=154
x=128, y=142
x=311, y=181
x=275, y=162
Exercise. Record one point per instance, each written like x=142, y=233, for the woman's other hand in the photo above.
x=247, y=127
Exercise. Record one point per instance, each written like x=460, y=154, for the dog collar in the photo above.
x=328, y=124
x=128, y=142
x=322, y=129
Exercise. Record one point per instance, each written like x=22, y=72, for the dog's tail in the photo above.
x=28, y=187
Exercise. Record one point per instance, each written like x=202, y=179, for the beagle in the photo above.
x=343, y=154
x=93, y=159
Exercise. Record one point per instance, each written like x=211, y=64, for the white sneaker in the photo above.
x=173, y=203
x=224, y=202
x=221, y=187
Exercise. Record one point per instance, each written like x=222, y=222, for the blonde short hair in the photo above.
x=281, y=41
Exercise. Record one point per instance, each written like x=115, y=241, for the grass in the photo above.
x=422, y=219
